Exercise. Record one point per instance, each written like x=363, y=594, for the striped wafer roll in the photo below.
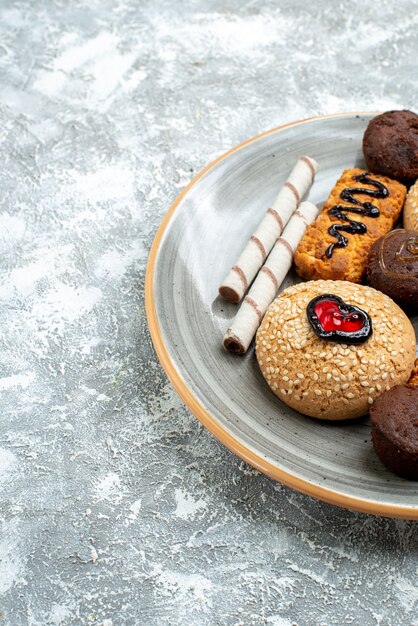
x=261, y=242
x=244, y=326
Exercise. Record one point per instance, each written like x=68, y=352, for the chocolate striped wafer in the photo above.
x=263, y=291
x=242, y=274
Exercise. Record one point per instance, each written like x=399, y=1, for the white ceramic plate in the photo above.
x=196, y=244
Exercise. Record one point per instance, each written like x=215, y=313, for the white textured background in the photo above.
x=116, y=507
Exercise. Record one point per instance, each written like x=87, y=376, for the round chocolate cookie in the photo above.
x=392, y=267
x=309, y=351
x=390, y=145
x=394, y=419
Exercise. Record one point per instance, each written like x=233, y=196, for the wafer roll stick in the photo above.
x=244, y=326
x=261, y=242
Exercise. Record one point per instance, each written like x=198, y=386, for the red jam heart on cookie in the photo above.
x=334, y=320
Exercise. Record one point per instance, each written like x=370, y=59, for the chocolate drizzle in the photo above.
x=361, y=208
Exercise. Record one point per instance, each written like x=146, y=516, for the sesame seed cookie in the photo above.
x=410, y=211
x=327, y=379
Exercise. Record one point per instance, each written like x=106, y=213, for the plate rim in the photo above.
x=289, y=479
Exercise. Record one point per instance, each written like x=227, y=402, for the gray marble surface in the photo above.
x=116, y=506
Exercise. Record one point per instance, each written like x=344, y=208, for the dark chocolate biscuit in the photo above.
x=394, y=419
x=390, y=145
x=392, y=267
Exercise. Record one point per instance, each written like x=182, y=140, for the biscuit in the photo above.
x=392, y=267
x=390, y=145
x=326, y=379
x=410, y=211
x=319, y=254
x=394, y=421
x=414, y=375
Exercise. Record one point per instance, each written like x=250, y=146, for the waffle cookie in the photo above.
x=360, y=208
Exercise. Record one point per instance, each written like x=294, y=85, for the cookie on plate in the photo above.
x=414, y=374
x=328, y=377
x=360, y=208
x=394, y=421
x=390, y=145
x=392, y=267
x=410, y=211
